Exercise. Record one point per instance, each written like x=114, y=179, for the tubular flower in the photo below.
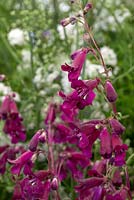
x=110, y=92
x=105, y=144
x=78, y=59
x=117, y=127
x=24, y=161
x=82, y=96
x=13, y=121
x=73, y=161
x=40, y=136
x=120, y=154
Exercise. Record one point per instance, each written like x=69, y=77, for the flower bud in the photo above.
x=87, y=8
x=68, y=20
x=54, y=184
x=110, y=92
x=34, y=142
x=117, y=127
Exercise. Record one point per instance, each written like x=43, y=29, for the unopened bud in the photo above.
x=110, y=92
x=54, y=184
x=87, y=8
x=69, y=20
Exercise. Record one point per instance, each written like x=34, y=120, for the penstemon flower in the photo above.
x=67, y=142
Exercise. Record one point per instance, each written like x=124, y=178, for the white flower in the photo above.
x=52, y=76
x=4, y=90
x=26, y=56
x=64, y=7
x=70, y=31
x=16, y=96
x=109, y=56
x=16, y=37
x=37, y=80
x=92, y=70
x=121, y=15
x=65, y=83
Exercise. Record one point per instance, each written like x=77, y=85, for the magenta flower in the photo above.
x=24, y=161
x=33, y=188
x=100, y=166
x=82, y=96
x=105, y=143
x=13, y=121
x=40, y=136
x=120, y=154
x=78, y=58
x=17, y=194
x=110, y=92
x=7, y=152
x=116, y=141
x=61, y=133
x=73, y=161
x=117, y=179
x=13, y=126
x=117, y=127
x=87, y=187
x=8, y=107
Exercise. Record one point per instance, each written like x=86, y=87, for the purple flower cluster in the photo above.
x=104, y=179
x=13, y=121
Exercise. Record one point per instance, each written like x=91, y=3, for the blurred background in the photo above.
x=33, y=45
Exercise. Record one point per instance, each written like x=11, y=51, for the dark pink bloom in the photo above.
x=91, y=134
x=116, y=141
x=3, y=161
x=68, y=115
x=105, y=143
x=13, y=126
x=121, y=194
x=120, y=155
x=73, y=161
x=78, y=60
x=98, y=193
x=13, y=121
x=61, y=133
x=8, y=107
x=100, y=166
x=87, y=184
x=82, y=96
x=40, y=136
x=117, y=127
x=33, y=188
x=24, y=161
x=110, y=92
x=117, y=179
x=17, y=194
